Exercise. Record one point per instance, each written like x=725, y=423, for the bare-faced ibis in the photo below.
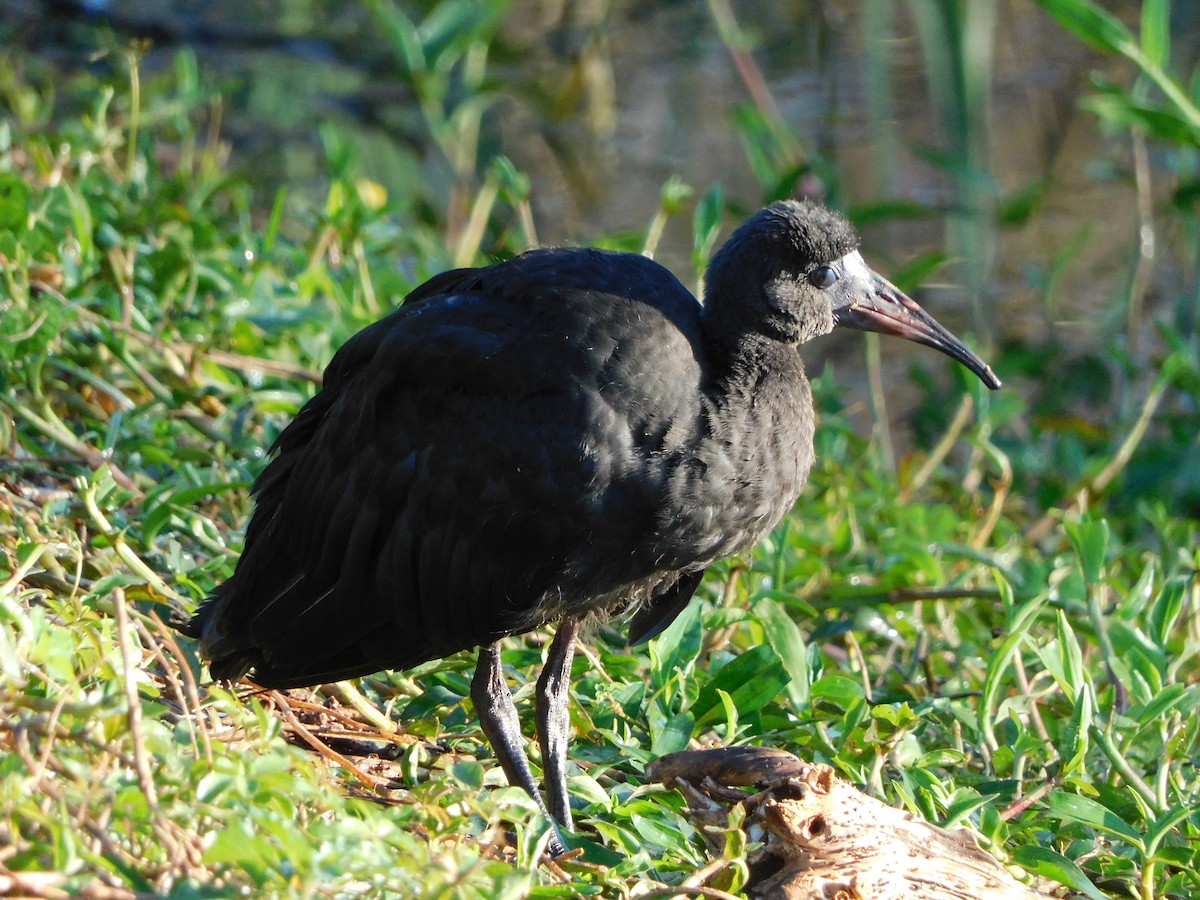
x=565, y=435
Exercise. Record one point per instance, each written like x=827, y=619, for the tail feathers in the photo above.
x=653, y=617
x=350, y=662
x=232, y=668
x=233, y=652
x=229, y=653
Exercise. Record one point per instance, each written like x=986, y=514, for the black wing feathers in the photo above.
x=458, y=476
x=652, y=617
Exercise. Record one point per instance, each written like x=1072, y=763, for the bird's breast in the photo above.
x=735, y=484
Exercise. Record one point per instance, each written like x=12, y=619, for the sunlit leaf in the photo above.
x=1048, y=864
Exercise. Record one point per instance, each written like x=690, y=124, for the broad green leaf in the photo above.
x=468, y=772
x=752, y=680
x=706, y=225
x=914, y=273
x=657, y=831
x=673, y=734
x=401, y=32
x=1156, y=31
x=961, y=809
x=784, y=636
x=1048, y=864
x=731, y=717
x=1091, y=23
x=1134, y=647
x=1118, y=108
x=1166, y=609
x=1074, y=808
x=945, y=757
x=1073, y=677
x=1021, y=620
x=1162, y=827
x=1137, y=599
x=839, y=690
x=1168, y=698
x=678, y=646
x=14, y=204
x=1075, y=741
x=238, y=845
x=1090, y=539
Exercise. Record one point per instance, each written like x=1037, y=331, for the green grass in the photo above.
x=1002, y=633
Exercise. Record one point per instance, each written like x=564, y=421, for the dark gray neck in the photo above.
x=744, y=349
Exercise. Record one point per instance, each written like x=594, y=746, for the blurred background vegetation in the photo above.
x=200, y=201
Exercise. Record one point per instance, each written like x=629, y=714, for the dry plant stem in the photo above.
x=52, y=790
x=1023, y=682
x=748, y=70
x=44, y=885
x=321, y=247
x=123, y=550
x=879, y=412
x=191, y=689
x=170, y=674
x=472, y=234
x=1126, y=451
x=525, y=216
x=962, y=416
x=1145, y=259
x=594, y=664
x=1001, y=487
x=696, y=891
x=914, y=595
x=190, y=354
x=1016, y=808
x=134, y=703
x=31, y=330
x=486, y=854
x=654, y=233
x=859, y=662
x=364, y=278
x=135, y=111
x=705, y=874
x=1121, y=459
x=20, y=573
x=320, y=746
x=49, y=426
x=46, y=581
x=49, y=731
x=352, y=726
x=714, y=641
x=244, y=363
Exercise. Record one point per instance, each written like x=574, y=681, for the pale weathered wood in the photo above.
x=825, y=840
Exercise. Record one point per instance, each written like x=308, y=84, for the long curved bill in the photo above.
x=869, y=302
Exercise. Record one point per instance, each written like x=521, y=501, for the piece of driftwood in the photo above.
x=825, y=840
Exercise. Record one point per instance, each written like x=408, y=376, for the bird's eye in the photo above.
x=823, y=276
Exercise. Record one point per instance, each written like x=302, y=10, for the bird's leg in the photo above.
x=553, y=721
x=498, y=717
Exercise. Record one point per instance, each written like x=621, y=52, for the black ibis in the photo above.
x=565, y=435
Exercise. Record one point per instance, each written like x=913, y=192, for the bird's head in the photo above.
x=812, y=278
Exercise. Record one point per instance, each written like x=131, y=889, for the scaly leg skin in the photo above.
x=498, y=719
x=553, y=720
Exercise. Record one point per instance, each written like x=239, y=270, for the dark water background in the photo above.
x=600, y=103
